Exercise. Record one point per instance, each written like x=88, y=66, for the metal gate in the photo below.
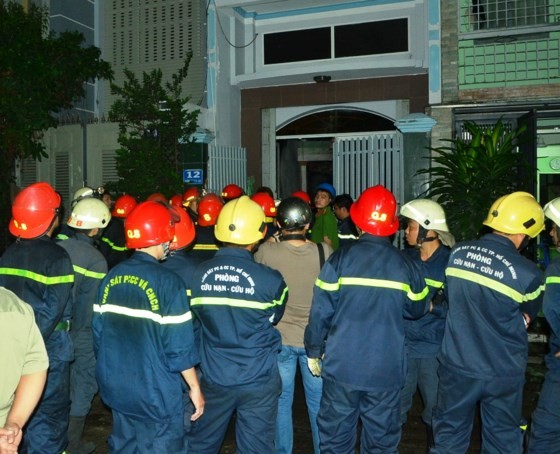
x=364, y=161
x=226, y=165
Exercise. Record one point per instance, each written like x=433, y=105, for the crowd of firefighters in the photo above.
x=188, y=311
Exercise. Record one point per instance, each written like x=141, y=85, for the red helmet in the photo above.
x=176, y=200
x=208, y=209
x=303, y=196
x=266, y=203
x=149, y=224
x=157, y=197
x=375, y=211
x=34, y=210
x=232, y=191
x=123, y=206
x=191, y=194
x=184, y=229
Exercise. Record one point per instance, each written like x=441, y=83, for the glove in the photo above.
x=314, y=366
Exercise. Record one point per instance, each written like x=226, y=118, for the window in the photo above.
x=354, y=40
x=502, y=14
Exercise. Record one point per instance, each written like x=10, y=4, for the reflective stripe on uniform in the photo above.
x=218, y=301
x=552, y=280
x=347, y=236
x=87, y=273
x=142, y=313
x=368, y=282
x=433, y=283
x=47, y=280
x=494, y=285
x=205, y=247
x=113, y=245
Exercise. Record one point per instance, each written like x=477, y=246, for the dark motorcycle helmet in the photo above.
x=293, y=214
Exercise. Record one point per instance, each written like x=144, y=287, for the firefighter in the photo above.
x=232, y=191
x=303, y=196
x=191, y=198
x=157, y=197
x=87, y=192
x=179, y=260
x=112, y=243
x=144, y=341
x=347, y=232
x=206, y=245
x=299, y=260
x=325, y=225
x=356, y=323
x=268, y=205
x=40, y=272
x=87, y=220
x=236, y=303
x=544, y=437
x=494, y=293
x=176, y=200
x=429, y=239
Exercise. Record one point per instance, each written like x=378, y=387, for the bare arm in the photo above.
x=27, y=396
x=195, y=393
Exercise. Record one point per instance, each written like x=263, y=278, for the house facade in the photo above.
x=500, y=60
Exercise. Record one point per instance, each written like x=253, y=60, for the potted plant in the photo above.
x=468, y=175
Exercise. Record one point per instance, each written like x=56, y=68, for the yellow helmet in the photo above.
x=517, y=212
x=241, y=221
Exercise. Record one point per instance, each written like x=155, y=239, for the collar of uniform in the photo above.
x=83, y=237
x=375, y=239
x=143, y=256
x=499, y=239
x=234, y=252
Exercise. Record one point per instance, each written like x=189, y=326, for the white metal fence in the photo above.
x=361, y=162
x=226, y=165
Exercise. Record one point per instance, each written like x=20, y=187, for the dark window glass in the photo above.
x=371, y=38
x=337, y=121
x=300, y=45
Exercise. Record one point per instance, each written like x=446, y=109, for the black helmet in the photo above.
x=293, y=214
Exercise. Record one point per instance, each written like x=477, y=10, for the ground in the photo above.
x=413, y=441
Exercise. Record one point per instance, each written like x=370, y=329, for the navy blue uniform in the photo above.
x=90, y=267
x=347, y=232
x=205, y=245
x=484, y=349
x=545, y=436
x=144, y=340
x=356, y=320
x=40, y=273
x=423, y=337
x=113, y=243
x=236, y=302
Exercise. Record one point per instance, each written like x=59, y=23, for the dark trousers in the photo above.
x=131, y=436
x=340, y=409
x=545, y=425
x=46, y=430
x=256, y=407
x=500, y=410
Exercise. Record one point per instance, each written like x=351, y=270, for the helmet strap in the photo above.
x=292, y=236
x=423, y=236
x=166, y=250
x=524, y=243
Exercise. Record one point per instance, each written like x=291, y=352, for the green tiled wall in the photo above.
x=498, y=64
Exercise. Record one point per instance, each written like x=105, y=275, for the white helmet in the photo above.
x=89, y=214
x=430, y=216
x=552, y=210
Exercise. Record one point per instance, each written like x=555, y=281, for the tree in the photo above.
x=40, y=75
x=469, y=175
x=154, y=129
